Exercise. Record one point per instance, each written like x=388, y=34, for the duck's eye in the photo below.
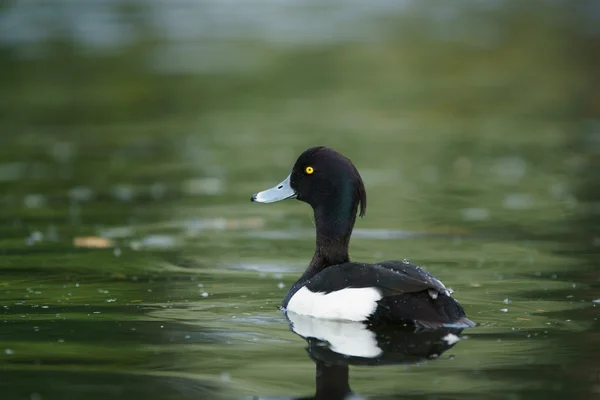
x=309, y=170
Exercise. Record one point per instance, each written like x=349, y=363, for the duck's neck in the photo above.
x=334, y=225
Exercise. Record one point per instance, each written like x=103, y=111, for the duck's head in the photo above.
x=326, y=180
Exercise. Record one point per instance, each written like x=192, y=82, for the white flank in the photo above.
x=344, y=337
x=451, y=338
x=352, y=304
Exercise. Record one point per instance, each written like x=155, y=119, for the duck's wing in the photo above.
x=390, y=278
x=434, y=285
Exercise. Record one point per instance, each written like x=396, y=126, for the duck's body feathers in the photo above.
x=384, y=292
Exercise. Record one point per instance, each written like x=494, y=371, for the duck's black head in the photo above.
x=321, y=177
x=330, y=183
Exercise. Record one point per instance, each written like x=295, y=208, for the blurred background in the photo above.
x=132, y=134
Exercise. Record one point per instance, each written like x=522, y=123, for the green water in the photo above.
x=480, y=162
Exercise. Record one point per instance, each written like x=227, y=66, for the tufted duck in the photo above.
x=333, y=287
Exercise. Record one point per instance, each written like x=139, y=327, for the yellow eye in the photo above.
x=309, y=170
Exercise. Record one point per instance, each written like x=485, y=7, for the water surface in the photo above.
x=134, y=265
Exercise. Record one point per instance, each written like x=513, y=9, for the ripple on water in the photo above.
x=154, y=242
x=260, y=319
x=381, y=234
x=385, y=234
x=118, y=232
x=475, y=214
x=277, y=269
x=34, y=200
x=281, y=234
x=81, y=194
x=123, y=192
x=518, y=201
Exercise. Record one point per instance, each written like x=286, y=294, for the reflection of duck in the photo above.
x=335, y=288
x=358, y=344
x=334, y=345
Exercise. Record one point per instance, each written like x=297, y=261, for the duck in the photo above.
x=335, y=288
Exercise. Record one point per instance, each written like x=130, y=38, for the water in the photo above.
x=134, y=265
